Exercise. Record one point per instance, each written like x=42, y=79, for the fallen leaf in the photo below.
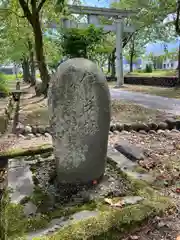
x=134, y=237
x=177, y=190
x=110, y=202
x=118, y=204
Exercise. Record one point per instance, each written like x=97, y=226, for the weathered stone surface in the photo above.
x=19, y=180
x=128, y=166
x=119, y=127
x=153, y=126
x=20, y=129
x=132, y=152
x=160, y=131
x=152, y=132
x=47, y=129
x=140, y=126
x=28, y=129
x=171, y=123
x=30, y=209
x=162, y=125
x=58, y=223
x=34, y=129
x=41, y=129
x=127, y=127
x=143, y=132
x=113, y=127
x=144, y=127
x=130, y=200
x=178, y=124
x=79, y=110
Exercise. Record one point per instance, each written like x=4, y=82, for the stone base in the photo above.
x=69, y=189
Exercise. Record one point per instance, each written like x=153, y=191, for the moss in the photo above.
x=67, y=211
x=12, y=213
x=13, y=153
x=139, y=169
x=111, y=222
x=106, y=222
x=37, y=222
x=107, y=225
x=35, y=180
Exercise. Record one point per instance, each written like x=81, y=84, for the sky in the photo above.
x=96, y=3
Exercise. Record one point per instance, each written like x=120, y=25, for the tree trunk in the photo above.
x=132, y=53
x=113, y=67
x=178, y=72
x=32, y=64
x=26, y=73
x=109, y=64
x=33, y=70
x=131, y=62
x=40, y=55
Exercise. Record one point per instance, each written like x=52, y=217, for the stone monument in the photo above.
x=79, y=110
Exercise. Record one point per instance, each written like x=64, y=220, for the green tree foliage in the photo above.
x=32, y=18
x=135, y=48
x=81, y=42
x=4, y=90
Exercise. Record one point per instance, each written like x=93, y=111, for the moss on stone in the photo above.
x=109, y=222
x=106, y=223
x=19, y=152
x=112, y=221
x=67, y=211
x=139, y=169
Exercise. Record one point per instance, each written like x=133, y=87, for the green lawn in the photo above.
x=173, y=92
x=157, y=73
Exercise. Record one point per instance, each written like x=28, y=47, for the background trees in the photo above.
x=34, y=16
x=26, y=35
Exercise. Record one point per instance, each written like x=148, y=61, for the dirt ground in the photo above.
x=162, y=160
x=34, y=111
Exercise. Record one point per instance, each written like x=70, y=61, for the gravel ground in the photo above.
x=44, y=173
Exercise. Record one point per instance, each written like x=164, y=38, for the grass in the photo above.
x=173, y=92
x=156, y=73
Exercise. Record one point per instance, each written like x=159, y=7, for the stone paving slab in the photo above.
x=128, y=167
x=19, y=180
x=61, y=222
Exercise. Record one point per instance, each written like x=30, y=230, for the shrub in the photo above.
x=148, y=68
x=4, y=91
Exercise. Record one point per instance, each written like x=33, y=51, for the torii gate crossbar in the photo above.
x=118, y=27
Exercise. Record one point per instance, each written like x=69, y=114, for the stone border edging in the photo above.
x=7, y=115
x=168, y=124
